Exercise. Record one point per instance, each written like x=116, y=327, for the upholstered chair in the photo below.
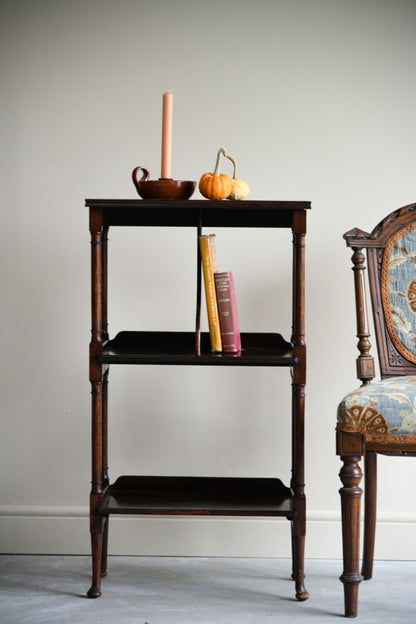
x=380, y=415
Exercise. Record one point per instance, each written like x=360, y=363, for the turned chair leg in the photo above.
x=350, y=476
x=370, y=510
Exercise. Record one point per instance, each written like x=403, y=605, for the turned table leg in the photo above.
x=298, y=552
x=96, y=551
x=96, y=496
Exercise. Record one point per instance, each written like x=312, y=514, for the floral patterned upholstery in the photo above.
x=380, y=409
x=398, y=286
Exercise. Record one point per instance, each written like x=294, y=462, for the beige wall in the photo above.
x=316, y=101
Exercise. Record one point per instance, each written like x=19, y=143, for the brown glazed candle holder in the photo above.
x=163, y=188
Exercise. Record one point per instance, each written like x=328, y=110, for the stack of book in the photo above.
x=220, y=297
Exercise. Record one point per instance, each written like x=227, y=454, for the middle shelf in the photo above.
x=198, y=496
x=153, y=347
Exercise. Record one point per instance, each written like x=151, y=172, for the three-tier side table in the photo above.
x=186, y=495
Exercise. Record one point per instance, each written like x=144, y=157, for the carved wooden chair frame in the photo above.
x=355, y=441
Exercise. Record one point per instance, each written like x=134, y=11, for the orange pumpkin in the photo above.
x=216, y=185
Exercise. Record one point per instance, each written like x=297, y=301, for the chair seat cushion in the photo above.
x=380, y=409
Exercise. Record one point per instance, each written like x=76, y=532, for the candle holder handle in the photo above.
x=144, y=178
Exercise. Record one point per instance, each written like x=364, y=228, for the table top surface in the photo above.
x=205, y=204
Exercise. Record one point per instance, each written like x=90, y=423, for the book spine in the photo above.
x=227, y=309
x=208, y=260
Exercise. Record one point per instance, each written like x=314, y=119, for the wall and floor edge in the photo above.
x=65, y=530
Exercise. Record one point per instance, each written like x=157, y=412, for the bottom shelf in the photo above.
x=198, y=496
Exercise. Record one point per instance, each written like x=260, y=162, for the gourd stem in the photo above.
x=234, y=163
x=221, y=152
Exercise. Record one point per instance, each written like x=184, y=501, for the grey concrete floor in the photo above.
x=172, y=590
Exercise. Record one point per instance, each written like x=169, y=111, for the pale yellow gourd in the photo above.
x=240, y=189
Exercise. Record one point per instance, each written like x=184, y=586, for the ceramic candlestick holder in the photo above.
x=163, y=188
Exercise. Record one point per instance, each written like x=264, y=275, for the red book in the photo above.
x=227, y=310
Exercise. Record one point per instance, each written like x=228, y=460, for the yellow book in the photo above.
x=209, y=267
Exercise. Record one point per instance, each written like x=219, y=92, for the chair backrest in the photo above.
x=391, y=258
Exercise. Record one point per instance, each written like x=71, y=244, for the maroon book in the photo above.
x=227, y=310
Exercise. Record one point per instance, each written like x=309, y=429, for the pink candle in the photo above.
x=167, y=135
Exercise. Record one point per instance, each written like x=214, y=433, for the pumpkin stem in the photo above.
x=234, y=163
x=221, y=152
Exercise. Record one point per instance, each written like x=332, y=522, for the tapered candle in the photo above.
x=167, y=135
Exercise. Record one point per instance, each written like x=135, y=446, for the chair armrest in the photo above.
x=356, y=239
